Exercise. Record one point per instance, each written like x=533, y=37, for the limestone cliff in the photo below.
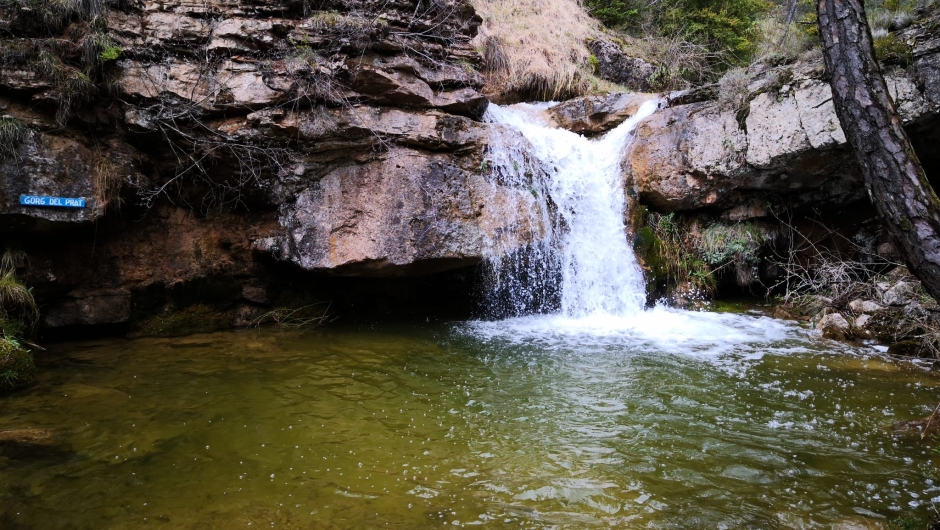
x=228, y=150
x=212, y=138
x=778, y=140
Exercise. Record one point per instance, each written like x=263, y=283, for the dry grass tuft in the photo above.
x=12, y=133
x=536, y=48
x=732, y=89
x=107, y=183
x=305, y=317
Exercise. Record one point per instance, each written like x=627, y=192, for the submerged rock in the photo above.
x=31, y=442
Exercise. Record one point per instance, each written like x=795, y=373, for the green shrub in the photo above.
x=16, y=301
x=905, y=522
x=732, y=89
x=16, y=364
x=614, y=13
x=111, y=53
x=725, y=27
x=706, y=36
x=673, y=260
x=890, y=49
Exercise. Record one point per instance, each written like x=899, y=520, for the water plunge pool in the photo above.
x=712, y=421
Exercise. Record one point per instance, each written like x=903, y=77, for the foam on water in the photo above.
x=601, y=287
x=703, y=335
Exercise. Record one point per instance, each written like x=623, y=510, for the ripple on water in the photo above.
x=533, y=422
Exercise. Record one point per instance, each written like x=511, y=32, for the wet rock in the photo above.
x=614, y=65
x=899, y=294
x=591, y=115
x=857, y=523
x=254, y=293
x=906, y=348
x=834, y=326
x=30, y=443
x=919, y=427
x=89, y=307
x=864, y=306
x=888, y=251
x=247, y=315
x=30, y=436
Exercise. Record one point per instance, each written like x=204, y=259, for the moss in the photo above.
x=197, y=318
x=905, y=522
x=890, y=49
x=906, y=348
x=726, y=306
x=111, y=53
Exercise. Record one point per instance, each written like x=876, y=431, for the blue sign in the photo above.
x=60, y=202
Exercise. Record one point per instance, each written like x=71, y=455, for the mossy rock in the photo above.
x=906, y=348
x=197, y=318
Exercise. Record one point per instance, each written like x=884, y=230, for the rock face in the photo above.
x=224, y=147
x=212, y=139
x=410, y=212
x=614, y=65
x=785, y=140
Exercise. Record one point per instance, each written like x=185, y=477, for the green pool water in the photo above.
x=442, y=425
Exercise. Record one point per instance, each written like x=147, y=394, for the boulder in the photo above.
x=408, y=213
x=834, y=326
x=592, y=115
x=864, y=306
x=615, y=65
x=89, y=307
x=31, y=442
x=861, y=321
x=899, y=294
x=785, y=140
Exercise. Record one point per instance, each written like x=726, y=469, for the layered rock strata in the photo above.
x=212, y=138
x=777, y=139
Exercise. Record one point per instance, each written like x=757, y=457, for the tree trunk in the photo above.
x=893, y=175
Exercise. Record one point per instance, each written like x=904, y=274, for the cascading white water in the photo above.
x=582, y=177
x=582, y=284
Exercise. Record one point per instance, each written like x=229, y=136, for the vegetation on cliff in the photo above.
x=535, y=52
x=18, y=315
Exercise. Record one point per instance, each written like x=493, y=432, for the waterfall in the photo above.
x=586, y=265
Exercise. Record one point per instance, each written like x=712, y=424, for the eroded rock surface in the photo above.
x=593, y=115
x=211, y=139
x=784, y=140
